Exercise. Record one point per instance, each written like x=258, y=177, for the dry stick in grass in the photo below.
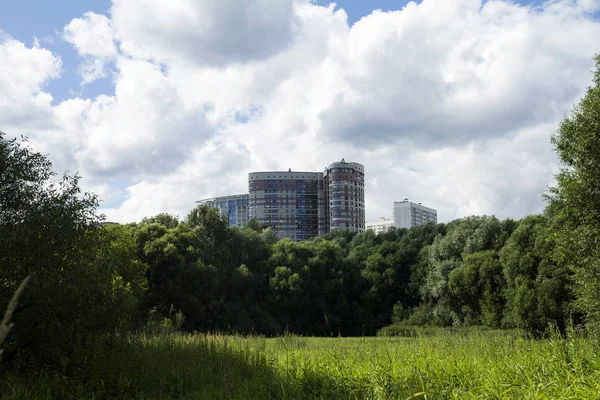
x=6, y=325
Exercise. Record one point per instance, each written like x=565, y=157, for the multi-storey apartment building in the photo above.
x=408, y=214
x=344, y=184
x=292, y=203
x=380, y=226
x=300, y=205
x=233, y=208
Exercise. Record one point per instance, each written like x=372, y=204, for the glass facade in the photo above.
x=233, y=208
x=288, y=202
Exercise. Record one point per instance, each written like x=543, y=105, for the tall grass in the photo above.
x=473, y=365
x=6, y=324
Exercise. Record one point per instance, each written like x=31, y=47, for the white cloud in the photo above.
x=447, y=72
x=23, y=74
x=447, y=102
x=145, y=129
x=92, y=37
x=24, y=70
x=92, y=69
x=502, y=176
x=212, y=32
x=208, y=172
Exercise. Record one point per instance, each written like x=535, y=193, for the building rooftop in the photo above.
x=221, y=197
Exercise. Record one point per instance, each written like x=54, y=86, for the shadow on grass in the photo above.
x=173, y=367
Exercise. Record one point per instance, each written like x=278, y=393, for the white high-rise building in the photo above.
x=380, y=226
x=408, y=214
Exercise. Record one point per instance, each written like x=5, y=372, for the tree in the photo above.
x=537, y=283
x=118, y=250
x=177, y=277
x=50, y=230
x=575, y=198
x=217, y=276
x=463, y=237
x=477, y=289
x=168, y=220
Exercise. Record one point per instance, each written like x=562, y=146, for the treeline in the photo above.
x=90, y=278
x=472, y=271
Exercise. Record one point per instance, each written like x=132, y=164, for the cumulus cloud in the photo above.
x=447, y=72
x=23, y=73
x=211, y=32
x=209, y=171
x=502, y=176
x=92, y=37
x=447, y=102
x=145, y=129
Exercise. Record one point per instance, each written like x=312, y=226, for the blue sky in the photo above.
x=26, y=19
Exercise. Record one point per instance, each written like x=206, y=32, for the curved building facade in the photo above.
x=233, y=208
x=344, y=184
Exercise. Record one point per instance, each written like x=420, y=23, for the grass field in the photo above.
x=446, y=365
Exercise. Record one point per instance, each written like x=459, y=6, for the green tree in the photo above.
x=51, y=230
x=463, y=237
x=178, y=278
x=167, y=220
x=575, y=198
x=217, y=276
x=537, y=290
x=477, y=289
x=119, y=252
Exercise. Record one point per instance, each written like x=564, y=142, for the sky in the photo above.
x=157, y=104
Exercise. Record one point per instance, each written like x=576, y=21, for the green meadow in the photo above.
x=460, y=364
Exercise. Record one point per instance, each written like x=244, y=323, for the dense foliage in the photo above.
x=576, y=199
x=472, y=271
x=82, y=282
